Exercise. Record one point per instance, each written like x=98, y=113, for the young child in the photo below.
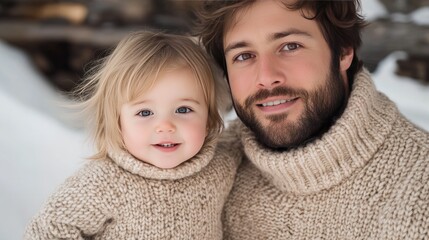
x=156, y=174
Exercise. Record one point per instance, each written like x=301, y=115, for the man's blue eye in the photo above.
x=183, y=110
x=291, y=46
x=243, y=57
x=145, y=113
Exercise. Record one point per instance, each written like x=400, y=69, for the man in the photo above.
x=326, y=156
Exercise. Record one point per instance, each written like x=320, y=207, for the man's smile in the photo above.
x=275, y=102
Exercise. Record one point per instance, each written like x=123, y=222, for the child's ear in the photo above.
x=346, y=58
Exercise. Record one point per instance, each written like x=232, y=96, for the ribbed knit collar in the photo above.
x=347, y=146
x=188, y=168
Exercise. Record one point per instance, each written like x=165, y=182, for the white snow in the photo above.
x=420, y=16
x=37, y=150
x=411, y=97
x=373, y=9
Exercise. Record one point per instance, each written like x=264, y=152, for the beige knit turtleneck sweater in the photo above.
x=366, y=178
x=124, y=198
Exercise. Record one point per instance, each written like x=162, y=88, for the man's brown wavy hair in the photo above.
x=339, y=21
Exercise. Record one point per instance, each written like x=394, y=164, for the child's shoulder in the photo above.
x=104, y=168
x=93, y=182
x=95, y=174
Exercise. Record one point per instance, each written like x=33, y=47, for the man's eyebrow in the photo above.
x=235, y=46
x=272, y=37
x=292, y=31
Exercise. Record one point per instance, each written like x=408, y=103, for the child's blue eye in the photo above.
x=145, y=113
x=183, y=110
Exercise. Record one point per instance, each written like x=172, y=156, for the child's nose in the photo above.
x=166, y=127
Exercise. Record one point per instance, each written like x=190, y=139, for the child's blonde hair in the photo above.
x=130, y=70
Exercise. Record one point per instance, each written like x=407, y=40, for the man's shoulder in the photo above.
x=408, y=131
x=407, y=150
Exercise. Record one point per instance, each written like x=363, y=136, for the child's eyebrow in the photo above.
x=190, y=100
x=181, y=100
x=139, y=102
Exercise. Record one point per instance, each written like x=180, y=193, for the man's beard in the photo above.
x=321, y=107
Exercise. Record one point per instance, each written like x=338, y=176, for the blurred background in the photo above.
x=61, y=36
x=45, y=47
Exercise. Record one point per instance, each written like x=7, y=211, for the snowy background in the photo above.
x=40, y=145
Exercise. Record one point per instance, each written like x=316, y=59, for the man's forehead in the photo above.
x=271, y=13
x=245, y=9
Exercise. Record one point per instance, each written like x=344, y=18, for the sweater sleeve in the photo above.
x=77, y=210
x=229, y=144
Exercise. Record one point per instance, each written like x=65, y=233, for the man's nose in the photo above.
x=270, y=74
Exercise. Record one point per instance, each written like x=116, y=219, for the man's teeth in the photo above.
x=274, y=103
x=167, y=145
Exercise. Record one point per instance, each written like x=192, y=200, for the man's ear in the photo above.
x=346, y=58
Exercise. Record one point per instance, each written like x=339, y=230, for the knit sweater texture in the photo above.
x=124, y=198
x=366, y=178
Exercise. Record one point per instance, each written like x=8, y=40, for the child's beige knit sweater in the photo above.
x=124, y=198
x=366, y=178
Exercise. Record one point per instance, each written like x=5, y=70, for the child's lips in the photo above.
x=167, y=147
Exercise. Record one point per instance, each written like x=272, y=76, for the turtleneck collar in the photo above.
x=325, y=162
x=188, y=168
